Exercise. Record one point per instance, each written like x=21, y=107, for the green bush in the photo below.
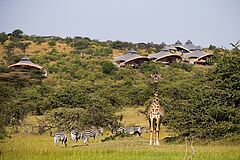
x=103, y=51
x=3, y=37
x=108, y=67
x=149, y=67
x=185, y=66
x=4, y=69
x=52, y=43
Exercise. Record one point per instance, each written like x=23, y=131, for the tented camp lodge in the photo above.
x=26, y=65
x=177, y=52
x=131, y=58
x=198, y=57
x=165, y=57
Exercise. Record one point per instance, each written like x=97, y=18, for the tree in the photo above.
x=3, y=37
x=16, y=35
x=52, y=43
x=108, y=67
x=206, y=108
x=98, y=111
x=24, y=46
x=11, y=110
x=103, y=51
x=149, y=67
x=225, y=77
x=81, y=44
x=66, y=118
x=68, y=40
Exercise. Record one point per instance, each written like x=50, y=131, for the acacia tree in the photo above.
x=98, y=113
x=16, y=35
x=3, y=37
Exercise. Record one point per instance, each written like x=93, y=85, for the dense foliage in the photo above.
x=205, y=105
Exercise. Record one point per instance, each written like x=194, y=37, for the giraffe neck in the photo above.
x=155, y=109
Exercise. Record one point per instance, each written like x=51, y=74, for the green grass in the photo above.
x=36, y=147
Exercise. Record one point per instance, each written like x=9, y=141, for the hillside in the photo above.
x=35, y=48
x=84, y=88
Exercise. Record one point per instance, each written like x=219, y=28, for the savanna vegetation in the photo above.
x=84, y=89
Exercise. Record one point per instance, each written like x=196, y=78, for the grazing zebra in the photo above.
x=59, y=136
x=121, y=130
x=91, y=133
x=130, y=130
x=75, y=135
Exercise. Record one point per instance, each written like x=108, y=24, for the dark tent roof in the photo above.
x=132, y=51
x=159, y=54
x=25, y=61
x=188, y=42
x=131, y=54
x=163, y=44
x=167, y=48
x=178, y=43
x=197, y=54
x=190, y=46
x=162, y=54
x=182, y=48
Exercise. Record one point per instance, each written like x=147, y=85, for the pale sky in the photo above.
x=204, y=22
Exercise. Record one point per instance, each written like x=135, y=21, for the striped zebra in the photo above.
x=59, y=136
x=121, y=130
x=131, y=130
x=91, y=133
x=75, y=135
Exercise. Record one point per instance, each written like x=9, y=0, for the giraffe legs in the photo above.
x=154, y=131
x=157, y=132
x=154, y=137
x=151, y=131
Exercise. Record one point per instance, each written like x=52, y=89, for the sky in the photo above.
x=204, y=22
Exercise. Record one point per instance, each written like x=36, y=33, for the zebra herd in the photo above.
x=76, y=135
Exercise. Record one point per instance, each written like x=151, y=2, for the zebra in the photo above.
x=91, y=133
x=59, y=136
x=131, y=130
x=75, y=135
x=121, y=130
x=135, y=130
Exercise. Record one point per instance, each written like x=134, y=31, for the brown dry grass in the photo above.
x=117, y=53
x=44, y=47
x=34, y=48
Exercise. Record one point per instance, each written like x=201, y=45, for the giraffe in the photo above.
x=155, y=112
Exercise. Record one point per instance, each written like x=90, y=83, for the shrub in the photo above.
x=4, y=69
x=185, y=66
x=108, y=67
x=148, y=67
x=52, y=43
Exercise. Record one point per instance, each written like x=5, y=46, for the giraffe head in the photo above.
x=156, y=77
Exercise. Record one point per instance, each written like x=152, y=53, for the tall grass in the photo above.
x=24, y=147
